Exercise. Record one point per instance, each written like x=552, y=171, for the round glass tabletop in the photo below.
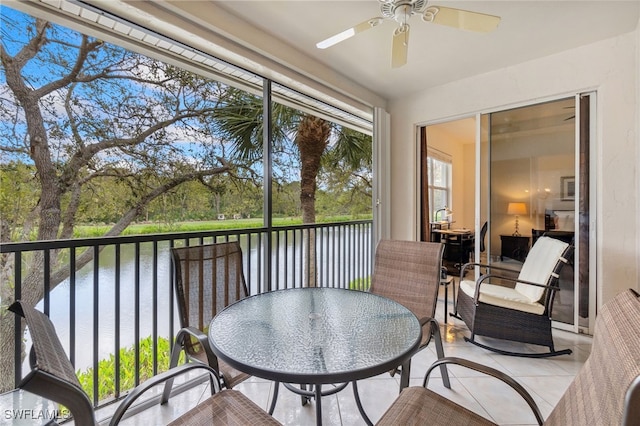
x=315, y=335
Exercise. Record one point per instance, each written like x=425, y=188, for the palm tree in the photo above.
x=239, y=120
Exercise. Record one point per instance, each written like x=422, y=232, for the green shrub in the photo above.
x=360, y=284
x=107, y=368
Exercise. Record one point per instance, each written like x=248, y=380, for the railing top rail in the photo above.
x=14, y=247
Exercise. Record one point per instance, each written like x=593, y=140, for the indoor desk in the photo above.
x=459, y=244
x=316, y=336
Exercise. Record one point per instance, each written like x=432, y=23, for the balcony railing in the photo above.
x=111, y=296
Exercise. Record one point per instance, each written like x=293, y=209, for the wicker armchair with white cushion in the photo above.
x=520, y=312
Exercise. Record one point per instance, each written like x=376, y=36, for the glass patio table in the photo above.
x=316, y=336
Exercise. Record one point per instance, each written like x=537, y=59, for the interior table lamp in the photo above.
x=517, y=209
x=447, y=213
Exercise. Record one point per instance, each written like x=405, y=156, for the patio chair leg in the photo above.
x=175, y=356
x=435, y=327
x=405, y=373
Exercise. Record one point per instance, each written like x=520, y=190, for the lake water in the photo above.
x=155, y=290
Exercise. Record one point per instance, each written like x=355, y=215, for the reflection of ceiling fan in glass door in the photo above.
x=402, y=10
x=574, y=114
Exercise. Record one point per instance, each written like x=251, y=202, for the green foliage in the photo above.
x=138, y=165
x=362, y=283
x=18, y=193
x=107, y=368
x=89, y=231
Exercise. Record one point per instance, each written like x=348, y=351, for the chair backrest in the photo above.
x=542, y=265
x=207, y=279
x=606, y=390
x=409, y=273
x=52, y=375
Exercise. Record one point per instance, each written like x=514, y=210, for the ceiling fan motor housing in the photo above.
x=401, y=10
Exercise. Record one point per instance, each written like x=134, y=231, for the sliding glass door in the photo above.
x=534, y=181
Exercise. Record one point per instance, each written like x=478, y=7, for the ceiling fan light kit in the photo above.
x=401, y=11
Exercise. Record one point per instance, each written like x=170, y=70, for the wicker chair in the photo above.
x=606, y=391
x=208, y=278
x=52, y=377
x=521, y=313
x=409, y=273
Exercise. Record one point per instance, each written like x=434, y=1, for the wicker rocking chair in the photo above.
x=208, y=278
x=521, y=313
x=409, y=273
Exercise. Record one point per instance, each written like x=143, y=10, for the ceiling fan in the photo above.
x=401, y=10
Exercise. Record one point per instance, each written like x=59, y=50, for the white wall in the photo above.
x=611, y=68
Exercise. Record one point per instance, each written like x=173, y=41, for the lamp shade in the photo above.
x=517, y=208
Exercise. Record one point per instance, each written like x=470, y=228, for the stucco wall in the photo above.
x=611, y=68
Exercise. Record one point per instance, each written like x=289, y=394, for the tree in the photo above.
x=75, y=110
x=240, y=120
x=90, y=122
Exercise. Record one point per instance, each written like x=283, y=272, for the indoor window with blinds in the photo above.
x=439, y=182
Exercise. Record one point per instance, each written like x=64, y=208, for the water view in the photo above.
x=149, y=296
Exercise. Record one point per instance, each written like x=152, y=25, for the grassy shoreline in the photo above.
x=97, y=230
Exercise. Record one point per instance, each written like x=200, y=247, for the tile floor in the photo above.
x=545, y=379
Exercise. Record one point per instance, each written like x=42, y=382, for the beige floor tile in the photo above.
x=545, y=379
x=460, y=394
x=549, y=389
x=503, y=405
x=377, y=394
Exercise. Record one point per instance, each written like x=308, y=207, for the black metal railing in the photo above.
x=107, y=296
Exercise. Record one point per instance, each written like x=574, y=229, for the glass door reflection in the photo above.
x=529, y=159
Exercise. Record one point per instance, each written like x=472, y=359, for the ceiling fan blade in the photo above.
x=463, y=19
x=335, y=39
x=400, y=46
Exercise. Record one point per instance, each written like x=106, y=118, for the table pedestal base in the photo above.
x=317, y=393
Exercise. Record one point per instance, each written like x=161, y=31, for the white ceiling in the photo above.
x=437, y=54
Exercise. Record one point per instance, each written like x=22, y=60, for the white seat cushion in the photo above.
x=539, y=265
x=504, y=297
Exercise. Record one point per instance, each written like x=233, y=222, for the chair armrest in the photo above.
x=139, y=390
x=490, y=372
x=632, y=403
x=202, y=339
x=483, y=265
x=484, y=278
x=516, y=280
